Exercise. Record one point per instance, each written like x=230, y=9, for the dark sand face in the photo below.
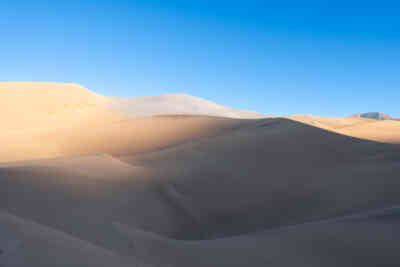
x=289, y=179
x=198, y=191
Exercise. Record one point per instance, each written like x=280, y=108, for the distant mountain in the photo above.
x=374, y=115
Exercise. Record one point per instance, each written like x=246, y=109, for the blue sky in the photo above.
x=333, y=58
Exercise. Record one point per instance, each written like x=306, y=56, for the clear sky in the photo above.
x=320, y=57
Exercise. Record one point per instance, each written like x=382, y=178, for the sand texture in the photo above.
x=87, y=181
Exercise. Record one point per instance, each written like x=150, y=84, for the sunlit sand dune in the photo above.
x=381, y=131
x=33, y=106
x=45, y=120
x=113, y=136
x=331, y=123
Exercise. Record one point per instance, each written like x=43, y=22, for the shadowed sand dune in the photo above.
x=290, y=171
x=31, y=244
x=362, y=240
x=112, y=189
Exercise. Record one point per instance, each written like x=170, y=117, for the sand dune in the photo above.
x=298, y=168
x=224, y=185
x=111, y=188
x=46, y=120
x=28, y=106
x=362, y=240
x=81, y=202
x=177, y=104
x=383, y=131
x=101, y=166
x=111, y=136
x=26, y=243
x=387, y=131
x=331, y=123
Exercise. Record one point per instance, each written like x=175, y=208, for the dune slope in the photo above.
x=176, y=104
x=224, y=192
x=28, y=105
x=367, y=239
x=269, y=173
x=387, y=131
x=25, y=243
x=110, y=189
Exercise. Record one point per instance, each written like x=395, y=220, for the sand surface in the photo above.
x=112, y=187
x=177, y=104
x=387, y=131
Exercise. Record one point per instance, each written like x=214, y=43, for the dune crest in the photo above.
x=29, y=106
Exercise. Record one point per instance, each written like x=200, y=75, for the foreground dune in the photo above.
x=229, y=190
x=27, y=243
x=289, y=170
x=369, y=239
x=112, y=189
